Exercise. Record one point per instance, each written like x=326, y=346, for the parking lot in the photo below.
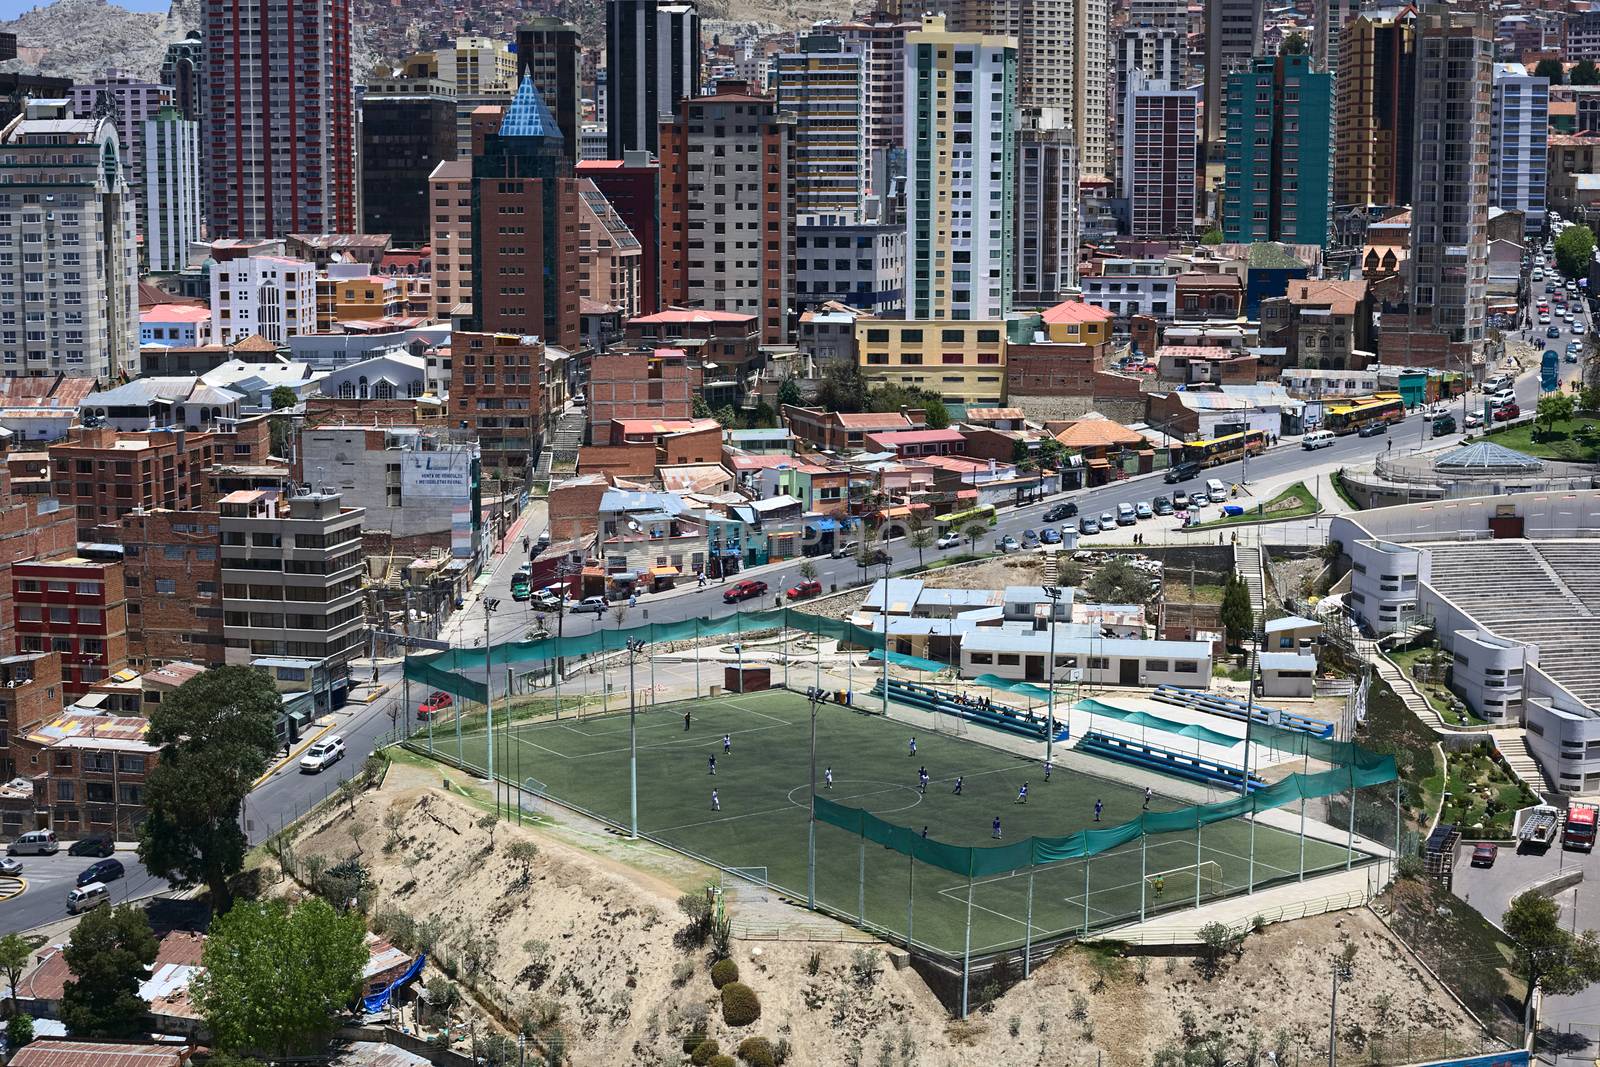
x=48, y=879
x=1490, y=890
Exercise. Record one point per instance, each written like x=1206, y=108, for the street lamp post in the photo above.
x=490, y=605
x=811, y=823
x=634, y=646
x=1053, y=592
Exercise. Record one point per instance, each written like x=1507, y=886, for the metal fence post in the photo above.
x=861, y=887
x=1027, y=935
x=966, y=953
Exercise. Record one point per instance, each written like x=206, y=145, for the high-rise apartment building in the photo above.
x=273, y=296
x=66, y=201
x=960, y=173
x=450, y=234
x=1327, y=31
x=1373, y=123
x=1233, y=39
x=1518, y=143
x=1047, y=209
x=1160, y=52
x=632, y=185
x=525, y=227
x=822, y=84
x=550, y=51
x=1159, y=156
x=496, y=390
x=880, y=38
x=728, y=198
x=608, y=253
x=1450, y=199
x=1277, y=186
x=484, y=72
x=279, y=128
x=130, y=103
x=172, y=185
x=652, y=64
x=77, y=607
x=1063, y=49
x=408, y=127
x=182, y=68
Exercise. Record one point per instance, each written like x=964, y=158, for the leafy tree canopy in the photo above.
x=109, y=955
x=1575, y=248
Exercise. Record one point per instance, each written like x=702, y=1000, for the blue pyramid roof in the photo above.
x=527, y=116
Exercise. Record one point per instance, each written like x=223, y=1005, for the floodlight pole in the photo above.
x=489, y=606
x=633, y=745
x=887, y=563
x=1053, y=593
x=1256, y=639
x=811, y=821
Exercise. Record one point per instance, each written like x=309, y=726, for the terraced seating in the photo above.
x=1238, y=710
x=1165, y=760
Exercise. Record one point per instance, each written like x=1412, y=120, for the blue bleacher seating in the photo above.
x=996, y=716
x=1180, y=764
x=1228, y=707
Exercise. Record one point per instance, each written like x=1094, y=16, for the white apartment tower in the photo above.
x=69, y=261
x=274, y=296
x=960, y=172
x=172, y=179
x=1519, y=135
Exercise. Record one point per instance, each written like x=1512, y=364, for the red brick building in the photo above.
x=30, y=692
x=30, y=528
x=833, y=431
x=640, y=382
x=77, y=607
x=174, y=584
x=495, y=393
x=633, y=185
x=730, y=340
x=88, y=772
x=1048, y=369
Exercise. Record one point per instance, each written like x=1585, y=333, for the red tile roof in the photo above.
x=1076, y=311
x=693, y=315
x=98, y=1054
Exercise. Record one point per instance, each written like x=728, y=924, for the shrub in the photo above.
x=682, y=972
x=723, y=972
x=703, y=1052
x=722, y=1061
x=19, y=1031
x=740, y=1007
x=757, y=1052
x=814, y=963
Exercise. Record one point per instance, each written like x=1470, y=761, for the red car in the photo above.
x=806, y=588
x=744, y=591
x=1485, y=853
x=436, y=703
x=1506, y=412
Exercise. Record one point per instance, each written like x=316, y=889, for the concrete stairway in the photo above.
x=1419, y=705
x=1514, y=748
x=1247, y=561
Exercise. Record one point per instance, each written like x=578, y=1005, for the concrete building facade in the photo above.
x=822, y=83
x=1519, y=137
x=652, y=65
x=1047, y=209
x=271, y=296
x=1279, y=127
x=1158, y=161
x=171, y=146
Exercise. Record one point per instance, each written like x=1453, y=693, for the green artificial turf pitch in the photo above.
x=761, y=784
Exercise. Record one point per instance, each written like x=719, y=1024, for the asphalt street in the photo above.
x=50, y=878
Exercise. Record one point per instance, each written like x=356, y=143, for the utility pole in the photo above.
x=490, y=605
x=1054, y=593
x=811, y=824
x=634, y=645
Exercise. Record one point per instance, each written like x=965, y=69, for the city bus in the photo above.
x=958, y=521
x=1348, y=416
x=1225, y=449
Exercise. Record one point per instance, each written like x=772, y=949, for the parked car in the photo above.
x=436, y=703
x=1057, y=512
x=101, y=871
x=1198, y=500
x=1007, y=544
x=1143, y=510
x=1373, y=429
x=1030, y=539
x=35, y=843
x=949, y=540
x=93, y=845
x=322, y=755
x=1444, y=423
x=10, y=866
x=1484, y=853
x=1577, y=326
x=1071, y=526
x=590, y=605
x=1126, y=516
x=1506, y=412
x=1183, y=472
x=520, y=591
x=1108, y=521
x=803, y=589
x=1050, y=536
x=1162, y=506
x=1180, y=499
x=1474, y=420
x=1088, y=525
x=546, y=600
x=744, y=591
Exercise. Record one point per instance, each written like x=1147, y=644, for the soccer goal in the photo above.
x=1178, y=883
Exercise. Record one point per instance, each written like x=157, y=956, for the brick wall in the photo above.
x=575, y=507
x=627, y=461
x=1063, y=370
x=26, y=532
x=173, y=579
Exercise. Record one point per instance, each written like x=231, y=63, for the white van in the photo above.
x=88, y=896
x=35, y=843
x=1215, y=489
x=842, y=549
x=1317, y=439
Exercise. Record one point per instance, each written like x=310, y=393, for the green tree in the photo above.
x=842, y=388
x=698, y=408
x=216, y=734
x=1238, y=618
x=1212, y=236
x=1575, y=251
x=1589, y=398
x=19, y=1031
x=895, y=397
x=789, y=393
x=919, y=534
x=808, y=570
x=109, y=955
x=1117, y=581
x=276, y=979
x=1293, y=45
x=973, y=531
x=763, y=416
x=15, y=955
x=283, y=397
x=1552, y=69
x=1548, y=957
x=1584, y=73
x=281, y=425
x=1553, y=408
x=726, y=417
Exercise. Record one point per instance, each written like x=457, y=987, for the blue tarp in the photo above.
x=375, y=1002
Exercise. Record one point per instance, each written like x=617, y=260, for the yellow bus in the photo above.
x=1348, y=416
x=958, y=521
x=1225, y=449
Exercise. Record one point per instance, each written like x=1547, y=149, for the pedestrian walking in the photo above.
x=686, y=722
x=957, y=789
x=727, y=744
x=1048, y=767
x=924, y=833
x=1022, y=794
x=827, y=776
x=1147, y=794
x=913, y=749
x=995, y=832
x=922, y=780
x=716, y=802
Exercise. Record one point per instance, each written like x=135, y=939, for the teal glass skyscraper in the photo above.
x=1279, y=130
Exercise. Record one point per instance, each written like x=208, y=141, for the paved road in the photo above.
x=50, y=878
x=1490, y=891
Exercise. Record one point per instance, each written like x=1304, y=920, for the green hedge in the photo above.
x=740, y=1006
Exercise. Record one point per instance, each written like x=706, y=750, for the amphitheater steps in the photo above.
x=1415, y=701
x=1513, y=747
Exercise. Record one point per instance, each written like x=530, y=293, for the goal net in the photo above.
x=1178, y=883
